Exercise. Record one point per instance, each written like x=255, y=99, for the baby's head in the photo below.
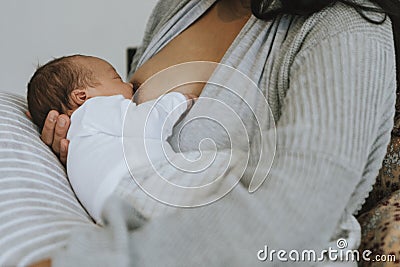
x=65, y=83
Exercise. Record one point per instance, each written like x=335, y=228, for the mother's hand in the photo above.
x=54, y=134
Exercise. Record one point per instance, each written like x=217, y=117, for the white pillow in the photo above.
x=38, y=208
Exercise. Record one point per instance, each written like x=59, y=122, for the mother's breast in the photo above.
x=187, y=78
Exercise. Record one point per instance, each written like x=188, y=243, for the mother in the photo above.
x=329, y=73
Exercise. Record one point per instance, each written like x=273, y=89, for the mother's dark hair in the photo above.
x=261, y=9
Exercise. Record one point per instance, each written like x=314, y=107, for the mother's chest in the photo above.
x=207, y=39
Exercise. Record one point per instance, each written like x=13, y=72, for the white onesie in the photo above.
x=96, y=162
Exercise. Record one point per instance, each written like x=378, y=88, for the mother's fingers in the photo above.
x=64, y=151
x=54, y=134
x=60, y=132
x=49, y=127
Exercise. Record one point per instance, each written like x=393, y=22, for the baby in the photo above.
x=89, y=90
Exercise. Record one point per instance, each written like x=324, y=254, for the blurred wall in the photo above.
x=32, y=32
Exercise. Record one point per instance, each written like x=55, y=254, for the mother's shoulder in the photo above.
x=341, y=18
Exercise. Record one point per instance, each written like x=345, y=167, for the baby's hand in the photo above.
x=190, y=99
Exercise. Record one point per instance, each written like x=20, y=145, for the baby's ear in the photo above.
x=78, y=96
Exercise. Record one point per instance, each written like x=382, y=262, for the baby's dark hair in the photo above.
x=51, y=85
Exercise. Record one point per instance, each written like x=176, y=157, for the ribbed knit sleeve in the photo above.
x=339, y=109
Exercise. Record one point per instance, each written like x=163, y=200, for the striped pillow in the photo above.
x=38, y=208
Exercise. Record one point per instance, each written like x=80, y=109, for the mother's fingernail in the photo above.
x=53, y=117
x=62, y=122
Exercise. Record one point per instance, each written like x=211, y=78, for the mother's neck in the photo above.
x=229, y=10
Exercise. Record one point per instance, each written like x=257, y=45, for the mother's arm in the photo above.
x=336, y=120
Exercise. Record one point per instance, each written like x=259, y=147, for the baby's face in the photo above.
x=110, y=83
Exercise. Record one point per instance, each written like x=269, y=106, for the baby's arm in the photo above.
x=164, y=113
x=95, y=159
